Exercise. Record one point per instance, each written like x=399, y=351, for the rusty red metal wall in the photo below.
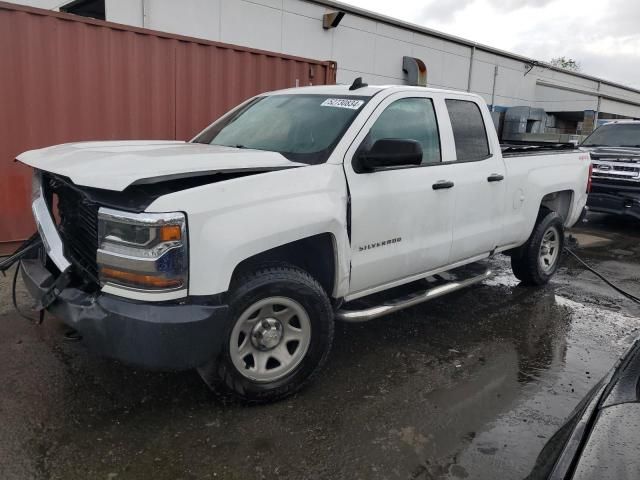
x=65, y=78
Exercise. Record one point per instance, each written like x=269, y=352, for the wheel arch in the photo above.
x=316, y=254
x=560, y=202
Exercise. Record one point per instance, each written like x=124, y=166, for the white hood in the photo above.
x=116, y=165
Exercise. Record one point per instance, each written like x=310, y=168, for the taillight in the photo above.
x=589, y=181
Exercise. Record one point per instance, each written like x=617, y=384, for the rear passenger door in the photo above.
x=479, y=181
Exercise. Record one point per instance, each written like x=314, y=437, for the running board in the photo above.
x=448, y=282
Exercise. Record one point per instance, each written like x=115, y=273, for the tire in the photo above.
x=530, y=263
x=272, y=309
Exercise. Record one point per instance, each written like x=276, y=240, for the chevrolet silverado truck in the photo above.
x=234, y=252
x=615, y=153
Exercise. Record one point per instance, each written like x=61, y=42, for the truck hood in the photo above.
x=615, y=153
x=115, y=165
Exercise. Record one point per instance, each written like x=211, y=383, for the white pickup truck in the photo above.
x=235, y=252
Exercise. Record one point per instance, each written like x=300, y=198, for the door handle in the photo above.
x=442, y=185
x=495, y=177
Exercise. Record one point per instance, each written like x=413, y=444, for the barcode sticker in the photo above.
x=343, y=103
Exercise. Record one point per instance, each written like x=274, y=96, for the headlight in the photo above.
x=145, y=251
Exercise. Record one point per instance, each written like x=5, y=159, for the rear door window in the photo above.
x=469, y=131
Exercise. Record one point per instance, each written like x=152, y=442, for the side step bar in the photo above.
x=356, y=316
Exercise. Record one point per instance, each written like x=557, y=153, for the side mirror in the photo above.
x=389, y=152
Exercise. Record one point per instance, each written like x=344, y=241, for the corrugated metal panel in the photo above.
x=211, y=80
x=66, y=78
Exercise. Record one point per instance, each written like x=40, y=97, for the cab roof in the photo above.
x=368, y=91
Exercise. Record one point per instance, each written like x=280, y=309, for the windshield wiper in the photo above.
x=630, y=146
x=248, y=148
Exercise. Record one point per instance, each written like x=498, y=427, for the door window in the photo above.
x=469, y=132
x=409, y=119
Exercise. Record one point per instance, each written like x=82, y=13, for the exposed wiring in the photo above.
x=32, y=243
x=14, y=298
x=602, y=277
x=26, y=248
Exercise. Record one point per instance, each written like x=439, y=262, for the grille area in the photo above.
x=78, y=226
x=617, y=169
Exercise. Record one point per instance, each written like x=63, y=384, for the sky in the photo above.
x=602, y=35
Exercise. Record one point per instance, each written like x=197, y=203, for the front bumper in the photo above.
x=167, y=336
x=617, y=203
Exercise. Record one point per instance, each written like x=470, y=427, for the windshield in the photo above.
x=615, y=135
x=303, y=128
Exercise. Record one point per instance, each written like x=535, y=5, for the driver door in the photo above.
x=401, y=216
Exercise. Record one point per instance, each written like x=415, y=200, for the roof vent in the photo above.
x=357, y=83
x=416, y=71
x=331, y=19
x=86, y=8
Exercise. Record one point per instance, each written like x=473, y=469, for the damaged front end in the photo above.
x=103, y=240
x=117, y=277
x=42, y=247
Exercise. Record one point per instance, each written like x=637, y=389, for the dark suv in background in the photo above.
x=615, y=154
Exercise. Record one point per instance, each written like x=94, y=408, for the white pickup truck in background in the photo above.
x=233, y=253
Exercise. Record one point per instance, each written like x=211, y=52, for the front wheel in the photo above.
x=535, y=262
x=279, y=336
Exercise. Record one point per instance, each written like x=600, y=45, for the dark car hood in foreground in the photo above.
x=601, y=439
x=612, y=451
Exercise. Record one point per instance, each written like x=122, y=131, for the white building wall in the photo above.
x=369, y=47
x=555, y=100
x=124, y=11
x=619, y=108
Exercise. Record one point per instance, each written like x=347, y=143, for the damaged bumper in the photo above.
x=167, y=336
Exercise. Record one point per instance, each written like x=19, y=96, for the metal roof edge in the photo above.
x=18, y=7
x=583, y=91
x=461, y=41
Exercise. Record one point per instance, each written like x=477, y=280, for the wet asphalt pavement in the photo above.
x=468, y=386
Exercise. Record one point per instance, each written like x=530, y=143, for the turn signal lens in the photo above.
x=138, y=280
x=170, y=233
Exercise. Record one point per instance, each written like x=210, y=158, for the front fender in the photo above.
x=236, y=219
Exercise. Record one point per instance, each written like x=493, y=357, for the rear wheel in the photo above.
x=535, y=262
x=279, y=337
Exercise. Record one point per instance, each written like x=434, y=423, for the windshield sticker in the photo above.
x=343, y=103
